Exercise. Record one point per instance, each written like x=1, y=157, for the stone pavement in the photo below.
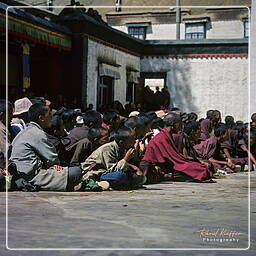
x=157, y=217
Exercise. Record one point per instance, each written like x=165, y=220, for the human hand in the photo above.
x=148, y=134
x=231, y=164
x=205, y=164
x=129, y=154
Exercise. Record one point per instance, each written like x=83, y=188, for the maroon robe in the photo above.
x=212, y=148
x=178, y=141
x=206, y=149
x=205, y=130
x=162, y=150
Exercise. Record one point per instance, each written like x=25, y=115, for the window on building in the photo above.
x=130, y=92
x=105, y=91
x=138, y=32
x=195, y=31
x=246, y=28
x=132, y=82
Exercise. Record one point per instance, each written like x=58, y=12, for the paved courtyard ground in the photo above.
x=157, y=217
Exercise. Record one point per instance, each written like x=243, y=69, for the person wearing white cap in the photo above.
x=21, y=107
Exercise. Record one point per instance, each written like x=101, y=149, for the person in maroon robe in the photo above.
x=212, y=149
x=208, y=124
x=162, y=157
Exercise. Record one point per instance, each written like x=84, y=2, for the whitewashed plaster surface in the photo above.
x=214, y=30
x=200, y=84
x=96, y=51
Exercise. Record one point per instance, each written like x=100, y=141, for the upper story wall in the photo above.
x=228, y=23
x=214, y=30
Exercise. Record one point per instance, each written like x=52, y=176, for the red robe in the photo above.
x=162, y=150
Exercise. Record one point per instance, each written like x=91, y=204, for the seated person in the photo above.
x=111, y=162
x=111, y=120
x=91, y=118
x=162, y=157
x=211, y=149
x=97, y=136
x=207, y=125
x=36, y=158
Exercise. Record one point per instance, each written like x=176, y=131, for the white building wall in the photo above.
x=200, y=84
x=121, y=28
x=162, y=32
x=214, y=30
x=96, y=51
x=225, y=29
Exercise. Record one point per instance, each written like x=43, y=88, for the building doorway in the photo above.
x=105, y=92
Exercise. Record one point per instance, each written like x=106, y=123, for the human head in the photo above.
x=229, y=121
x=253, y=117
x=173, y=122
x=192, y=116
x=57, y=127
x=98, y=136
x=40, y=114
x=221, y=133
x=69, y=118
x=209, y=113
x=192, y=129
x=125, y=137
x=136, y=123
x=21, y=106
x=112, y=119
x=92, y=118
x=241, y=129
x=3, y=104
x=217, y=115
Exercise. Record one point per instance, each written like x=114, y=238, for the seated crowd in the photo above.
x=67, y=150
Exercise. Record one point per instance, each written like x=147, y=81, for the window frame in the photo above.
x=144, y=34
x=197, y=33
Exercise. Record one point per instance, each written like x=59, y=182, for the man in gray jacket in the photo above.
x=36, y=158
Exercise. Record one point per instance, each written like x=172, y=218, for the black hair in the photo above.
x=110, y=115
x=153, y=116
x=133, y=122
x=68, y=115
x=240, y=128
x=145, y=120
x=253, y=117
x=60, y=111
x=95, y=132
x=229, y=121
x=191, y=126
x=192, y=115
x=171, y=118
x=221, y=130
x=209, y=113
x=123, y=134
x=184, y=117
x=92, y=118
x=36, y=110
x=3, y=103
